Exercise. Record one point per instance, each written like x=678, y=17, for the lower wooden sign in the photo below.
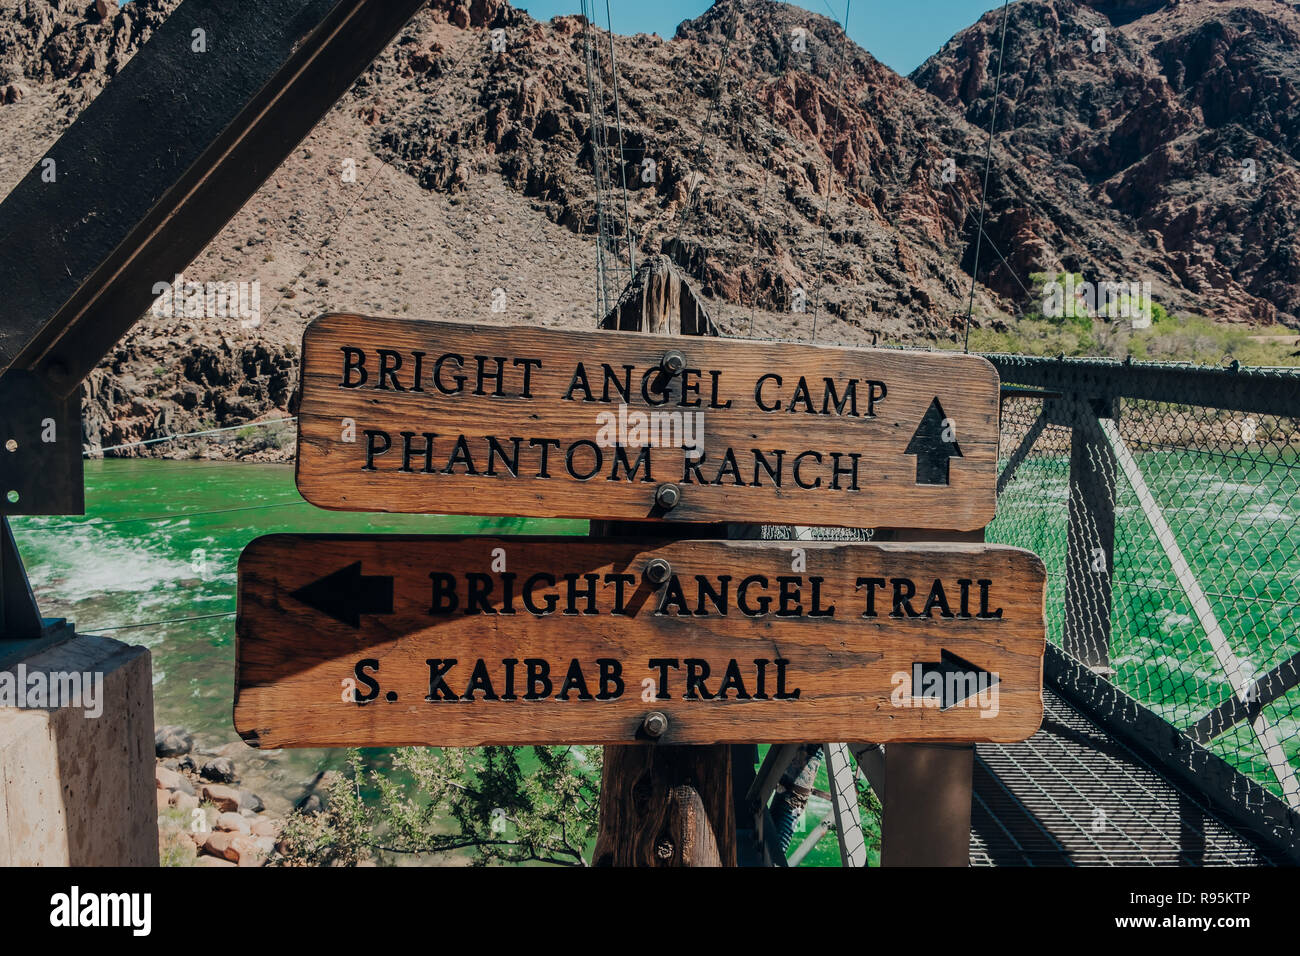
x=463, y=641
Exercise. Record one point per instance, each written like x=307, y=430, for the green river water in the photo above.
x=153, y=562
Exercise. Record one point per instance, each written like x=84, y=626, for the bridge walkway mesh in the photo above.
x=1072, y=795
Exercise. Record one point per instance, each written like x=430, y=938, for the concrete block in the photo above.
x=77, y=790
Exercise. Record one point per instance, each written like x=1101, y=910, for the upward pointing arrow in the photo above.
x=347, y=594
x=931, y=450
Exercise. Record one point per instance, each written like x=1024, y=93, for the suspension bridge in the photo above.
x=1161, y=497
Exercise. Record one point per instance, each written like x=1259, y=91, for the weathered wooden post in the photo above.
x=926, y=806
x=669, y=805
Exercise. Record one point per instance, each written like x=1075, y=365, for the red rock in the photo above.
x=221, y=843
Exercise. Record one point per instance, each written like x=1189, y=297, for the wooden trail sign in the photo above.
x=442, y=417
x=463, y=641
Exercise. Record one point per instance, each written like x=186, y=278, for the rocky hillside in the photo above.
x=803, y=182
x=1176, y=127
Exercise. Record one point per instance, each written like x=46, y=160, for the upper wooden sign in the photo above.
x=463, y=641
x=441, y=417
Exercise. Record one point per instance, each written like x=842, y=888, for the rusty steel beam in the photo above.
x=162, y=159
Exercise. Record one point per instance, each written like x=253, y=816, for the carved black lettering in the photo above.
x=661, y=685
x=579, y=381
x=588, y=594
x=936, y=599
x=373, y=447
x=528, y=366
x=445, y=600
x=354, y=360
x=704, y=589
x=781, y=692
x=537, y=678
x=598, y=459
x=742, y=602
x=479, y=586
x=409, y=451
x=623, y=388
x=850, y=399
x=697, y=672
x=574, y=680
x=480, y=680
x=545, y=445
x=904, y=591
x=363, y=678
x=760, y=460
x=611, y=680
x=801, y=395
x=483, y=374
x=460, y=456
x=631, y=470
x=798, y=464
x=551, y=599
x=438, y=689
x=620, y=581
x=510, y=460
x=984, y=601
x=441, y=385
x=390, y=362
x=731, y=680
x=870, y=584
x=788, y=595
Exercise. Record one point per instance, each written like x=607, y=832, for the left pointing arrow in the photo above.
x=347, y=594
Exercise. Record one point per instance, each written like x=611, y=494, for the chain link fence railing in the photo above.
x=1165, y=501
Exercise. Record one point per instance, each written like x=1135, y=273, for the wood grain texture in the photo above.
x=895, y=392
x=853, y=673
x=657, y=808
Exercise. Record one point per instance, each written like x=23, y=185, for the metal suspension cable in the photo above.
x=830, y=166
x=708, y=122
x=174, y=620
x=988, y=161
x=598, y=143
x=205, y=431
x=622, y=162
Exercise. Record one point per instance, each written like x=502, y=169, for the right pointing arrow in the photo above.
x=347, y=594
x=950, y=680
x=932, y=448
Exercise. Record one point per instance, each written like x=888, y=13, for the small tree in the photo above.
x=479, y=800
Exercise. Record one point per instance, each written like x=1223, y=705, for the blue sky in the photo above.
x=898, y=34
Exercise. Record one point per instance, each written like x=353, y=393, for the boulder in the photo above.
x=223, y=798
x=249, y=851
x=219, y=770
x=233, y=823
x=250, y=801
x=172, y=741
x=184, y=801
x=220, y=843
x=167, y=779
